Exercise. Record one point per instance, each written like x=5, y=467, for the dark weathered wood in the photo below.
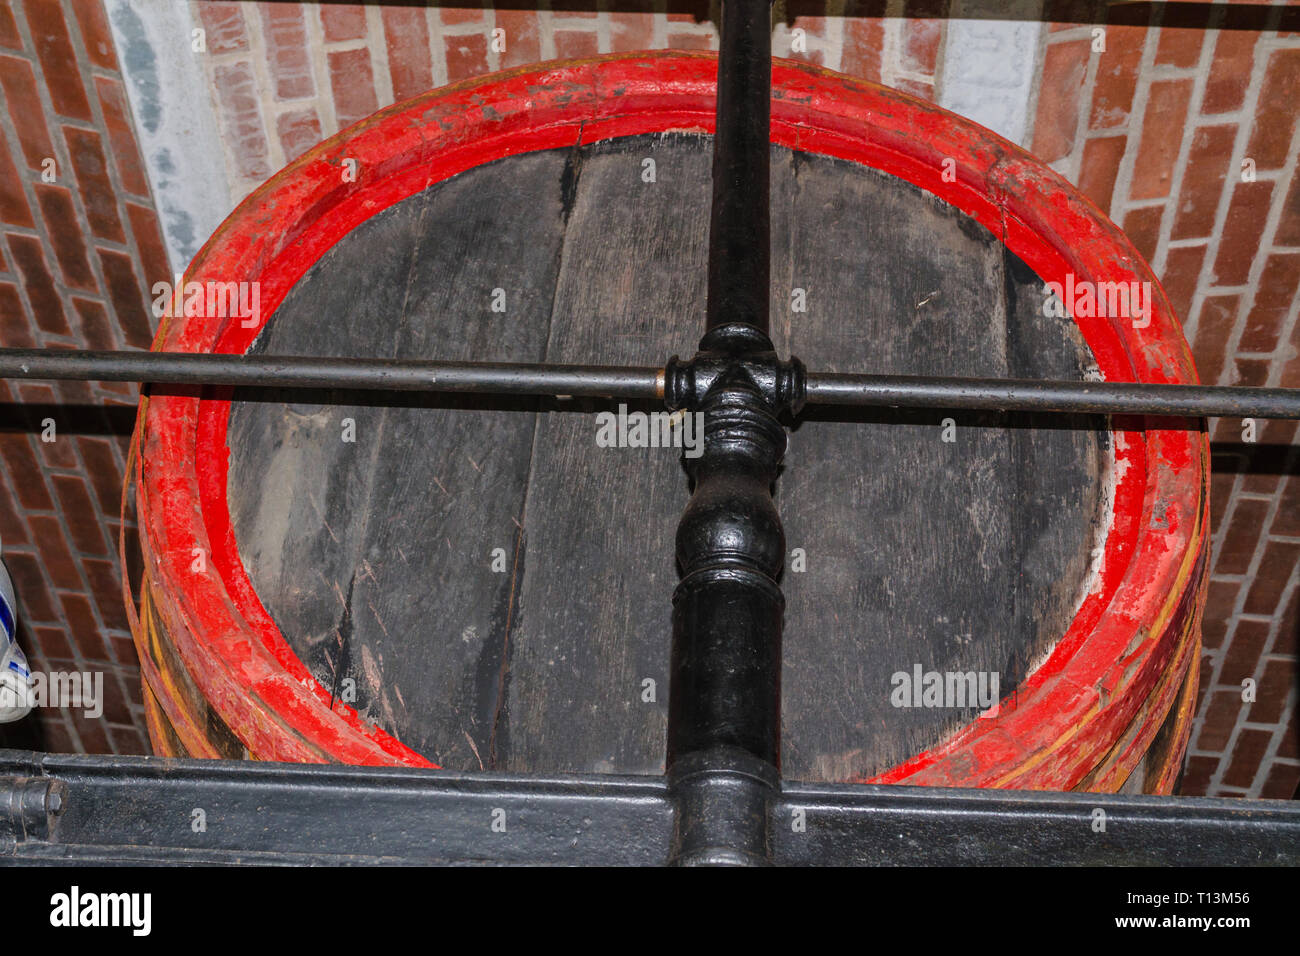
x=968, y=555
x=375, y=557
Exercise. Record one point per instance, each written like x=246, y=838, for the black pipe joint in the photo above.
x=736, y=348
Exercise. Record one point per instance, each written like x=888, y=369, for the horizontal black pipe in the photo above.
x=1012, y=395
x=823, y=388
x=337, y=373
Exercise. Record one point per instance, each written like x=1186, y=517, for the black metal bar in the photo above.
x=739, y=230
x=1103, y=398
x=333, y=373
x=822, y=388
x=57, y=808
x=724, y=711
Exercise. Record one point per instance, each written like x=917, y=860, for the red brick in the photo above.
x=95, y=34
x=1223, y=478
x=864, y=42
x=285, y=32
x=19, y=84
x=130, y=308
x=1239, y=542
x=93, y=734
x=84, y=627
x=224, y=28
x=1180, y=47
x=1181, y=274
x=1251, y=372
x=148, y=242
x=1220, y=602
x=628, y=31
x=93, y=328
x=103, y=471
x=690, y=41
x=343, y=22
x=467, y=14
x=106, y=587
x=1272, y=691
x=1203, y=179
x=1225, y=86
x=100, y=201
x=58, y=61
x=1065, y=67
x=1117, y=69
x=15, y=331
x=409, y=65
x=39, y=284
x=572, y=44
x=1265, y=594
x=1243, y=653
x=56, y=736
x=1289, y=747
x=299, y=131
x=13, y=203
x=1197, y=776
x=64, y=233
x=1278, y=285
x=521, y=37
x=1100, y=167
x=12, y=528
x=1281, y=782
x=921, y=40
x=79, y=512
x=1213, y=331
x=1247, y=754
x=116, y=710
x=121, y=137
x=1288, y=228
x=353, y=83
x=9, y=36
x=1287, y=520
x=53, y=645
x=242, y=115
x=21, y=464
x=1242, y=231
x=1275, y=116
x=1162, y=135
x=55, y=556
x=34, y=602
x=1142, y=226
x=1220, y=717
x=467, y=55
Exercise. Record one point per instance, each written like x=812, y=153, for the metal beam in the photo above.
x=79, y=809
x=822, y=388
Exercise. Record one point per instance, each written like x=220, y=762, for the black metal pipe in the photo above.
x=280, y=371
x=739, y=230
x=1102, y=398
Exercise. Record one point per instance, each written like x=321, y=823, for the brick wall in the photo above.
x=78, y=239
x=1187, y=137
x=1153, y=121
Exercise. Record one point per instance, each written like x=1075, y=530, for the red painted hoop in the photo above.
x=1081, y=700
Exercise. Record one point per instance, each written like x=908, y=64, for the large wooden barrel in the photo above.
x=479, y=584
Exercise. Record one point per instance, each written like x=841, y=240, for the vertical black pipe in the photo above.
x=739, y=230
x=725, y=692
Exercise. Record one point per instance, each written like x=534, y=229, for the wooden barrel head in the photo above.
x=953, y=543
x=477, y=583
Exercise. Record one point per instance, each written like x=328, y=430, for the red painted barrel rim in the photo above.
x=1080, y=700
